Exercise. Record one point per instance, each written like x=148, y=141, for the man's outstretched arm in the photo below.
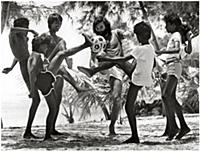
x=8, y=69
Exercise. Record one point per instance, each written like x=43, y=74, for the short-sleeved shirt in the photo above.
x=142, y=75
x=176, y=37
x=19, y=45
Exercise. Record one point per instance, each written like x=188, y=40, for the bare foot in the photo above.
x=55, y=132
x=86, y=71
x=30, y=135
x=112, y=134
x=166, y=133
x=172, y=134
x=131, y=140
x=112, y=131
x=49, y=138
x=182, y=133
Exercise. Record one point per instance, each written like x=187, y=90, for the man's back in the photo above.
x=19, y=45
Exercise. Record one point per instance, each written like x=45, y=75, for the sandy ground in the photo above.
x=93, y=136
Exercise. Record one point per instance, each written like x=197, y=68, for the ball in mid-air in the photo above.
x=99, y=44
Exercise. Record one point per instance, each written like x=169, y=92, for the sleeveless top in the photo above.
x=176, y=37
x=114, y=47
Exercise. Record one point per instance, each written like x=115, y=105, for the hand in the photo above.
x=34, y=33
x=88, y=41
x=6, y=70
x=31, y=94
x=189, y=35
x=101, y=58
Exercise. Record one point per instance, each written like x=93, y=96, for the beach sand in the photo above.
x=92, y=135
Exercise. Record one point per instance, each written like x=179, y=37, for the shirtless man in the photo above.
x=19, y=45
x=55, y=47
x=46, y=77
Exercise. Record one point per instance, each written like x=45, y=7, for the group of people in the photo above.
x=42, y=69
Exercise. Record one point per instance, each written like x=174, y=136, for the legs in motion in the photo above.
x=58, y=87
x=127, y=67
x=130, y=111
x=116, y=86
x=93, y=70
x=24, y=72
x=67, y=76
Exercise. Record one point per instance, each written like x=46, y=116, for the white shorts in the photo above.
x=175, y=69
x=116, y=73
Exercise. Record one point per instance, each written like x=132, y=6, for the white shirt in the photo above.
x=176, y=37
x=145, y=58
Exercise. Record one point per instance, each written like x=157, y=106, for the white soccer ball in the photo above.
x=99, y=44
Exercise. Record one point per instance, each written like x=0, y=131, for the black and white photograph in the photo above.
x=99, y=75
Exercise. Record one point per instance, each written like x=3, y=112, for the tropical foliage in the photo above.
x=122, y=14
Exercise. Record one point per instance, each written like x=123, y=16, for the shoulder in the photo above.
x=60, y=38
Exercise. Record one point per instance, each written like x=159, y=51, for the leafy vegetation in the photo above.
x=118, y=12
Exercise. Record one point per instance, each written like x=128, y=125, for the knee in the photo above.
x=36, y=100
x=116, y=95
x=61, y=54
x=129, y=108
x=53, y=110
x=165, y=97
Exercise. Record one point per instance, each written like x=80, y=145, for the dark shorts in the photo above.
x=45, y=82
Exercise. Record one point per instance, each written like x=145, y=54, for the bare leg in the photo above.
x=184, y=129
x=130, y=111
x=168, y=100
x=127, y=67
x=34, y=106
x=93, y=70
x=35, y=101
x=58, y=87
x=167, y=128
x=116, y=86
x=24, y=72
x=51, y=102
x=67, y=76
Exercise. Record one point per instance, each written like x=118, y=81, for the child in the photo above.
x=19, y=45
x=45, y=77
x=55, y=47
x=139, y=72
x=179, y=36
x=102, y=27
